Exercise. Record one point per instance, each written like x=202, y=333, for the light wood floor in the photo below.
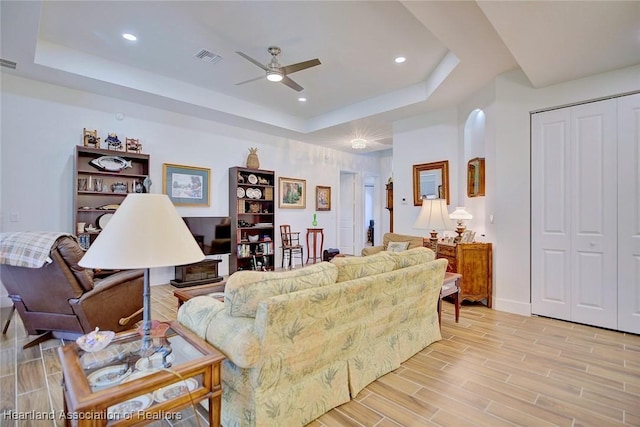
x=491, y=369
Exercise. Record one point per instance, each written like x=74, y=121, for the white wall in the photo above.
x=507, y=103
x=42, y=124
x=515, y=99
x=422, y=139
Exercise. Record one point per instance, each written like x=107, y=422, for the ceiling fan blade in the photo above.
x=288, y=69
x=293, y=85
x=250, y=80
x=250, y=59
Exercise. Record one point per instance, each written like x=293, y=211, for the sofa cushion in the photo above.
x=352, y=267
x=245, y=289
x=412, y=257
x=397, y=246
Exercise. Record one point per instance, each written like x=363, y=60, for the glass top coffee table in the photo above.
x=115, y=386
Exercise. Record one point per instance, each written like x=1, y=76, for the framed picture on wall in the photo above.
x=292, y=193
x=186, y=185
x=323, y=198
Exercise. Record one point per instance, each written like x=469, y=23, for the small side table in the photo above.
x=312, y=235
x=450, y=287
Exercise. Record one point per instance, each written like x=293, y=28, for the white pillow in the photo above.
x=397, y=246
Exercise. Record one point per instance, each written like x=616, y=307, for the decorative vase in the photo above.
x=252, y=160
x=315, y=220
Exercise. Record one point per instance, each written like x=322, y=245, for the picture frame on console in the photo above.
x=292, y=193
x=468, y=236
x=323, y=198
x=186, y=185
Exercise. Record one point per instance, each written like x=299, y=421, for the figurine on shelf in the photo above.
x=252, y=160
x=113, y=143
x=147, y=184
x=90, y=137
x=133, y=145
x=240, y=178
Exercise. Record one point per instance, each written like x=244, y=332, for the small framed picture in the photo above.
x=468, y=236
x=323, y=198
x=292, y=193
x=186, y=185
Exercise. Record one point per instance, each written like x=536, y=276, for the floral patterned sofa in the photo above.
x=301, y=342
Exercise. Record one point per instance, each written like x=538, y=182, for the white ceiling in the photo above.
x=453, y=48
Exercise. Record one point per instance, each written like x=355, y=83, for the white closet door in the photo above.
x=550, y=214
x=594, y=275
x=629, y=213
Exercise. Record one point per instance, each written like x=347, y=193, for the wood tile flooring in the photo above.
x=491, y=369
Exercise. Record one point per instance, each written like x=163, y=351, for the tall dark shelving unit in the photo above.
x=252, y=203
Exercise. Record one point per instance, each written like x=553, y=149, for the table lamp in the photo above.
x=460, y=214
x=145, y=232
x=434, y=216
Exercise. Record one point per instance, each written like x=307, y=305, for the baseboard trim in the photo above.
x=515, y=307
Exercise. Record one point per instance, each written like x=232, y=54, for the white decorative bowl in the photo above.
x=254, y=238
x=96, y=340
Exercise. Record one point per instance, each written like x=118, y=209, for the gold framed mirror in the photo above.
x=430, y=180
x=475, y=177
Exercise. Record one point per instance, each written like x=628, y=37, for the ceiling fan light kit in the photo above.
x=277, y=73
x=274, y=76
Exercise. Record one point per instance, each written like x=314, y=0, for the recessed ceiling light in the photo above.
x=302, y=99
x=129, y=37
x=400, y=59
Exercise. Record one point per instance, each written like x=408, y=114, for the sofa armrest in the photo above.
x=235, y=337
x=372, y=250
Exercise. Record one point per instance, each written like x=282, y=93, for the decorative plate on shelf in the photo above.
x=257, y=193
x=130, y=406
x=250, y=193
x=240, y=192
x=175, y=390
x=109, y=375
x=252, y=179
x=104, y=219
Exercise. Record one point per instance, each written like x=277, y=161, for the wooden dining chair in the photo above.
x=291, y=245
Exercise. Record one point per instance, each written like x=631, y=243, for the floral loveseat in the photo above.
x=301, y=342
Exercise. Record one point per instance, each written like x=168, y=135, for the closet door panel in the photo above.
x=550, y=220
x=593, y=213
x=629, y=213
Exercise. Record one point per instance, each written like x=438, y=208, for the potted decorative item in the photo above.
x=252, y=160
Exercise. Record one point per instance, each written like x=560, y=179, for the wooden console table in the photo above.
x=313, y=234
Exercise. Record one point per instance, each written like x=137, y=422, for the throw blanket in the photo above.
x=28, y=248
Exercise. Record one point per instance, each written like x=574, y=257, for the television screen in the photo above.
x=213, y=234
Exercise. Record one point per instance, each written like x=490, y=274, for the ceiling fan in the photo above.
x=277, y=72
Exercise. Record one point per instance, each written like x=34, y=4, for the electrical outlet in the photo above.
x=14, y=217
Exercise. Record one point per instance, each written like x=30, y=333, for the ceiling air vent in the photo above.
x=208, y=56
x=8, y=64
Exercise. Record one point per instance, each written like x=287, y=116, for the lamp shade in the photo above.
x=434, y=216
x=460, y=214
x=145, y=232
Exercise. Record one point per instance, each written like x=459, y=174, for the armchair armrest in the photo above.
x=117, y=296
x=115, y=280
x=372, y=250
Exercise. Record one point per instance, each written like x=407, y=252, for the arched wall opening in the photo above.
x=474, y=147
